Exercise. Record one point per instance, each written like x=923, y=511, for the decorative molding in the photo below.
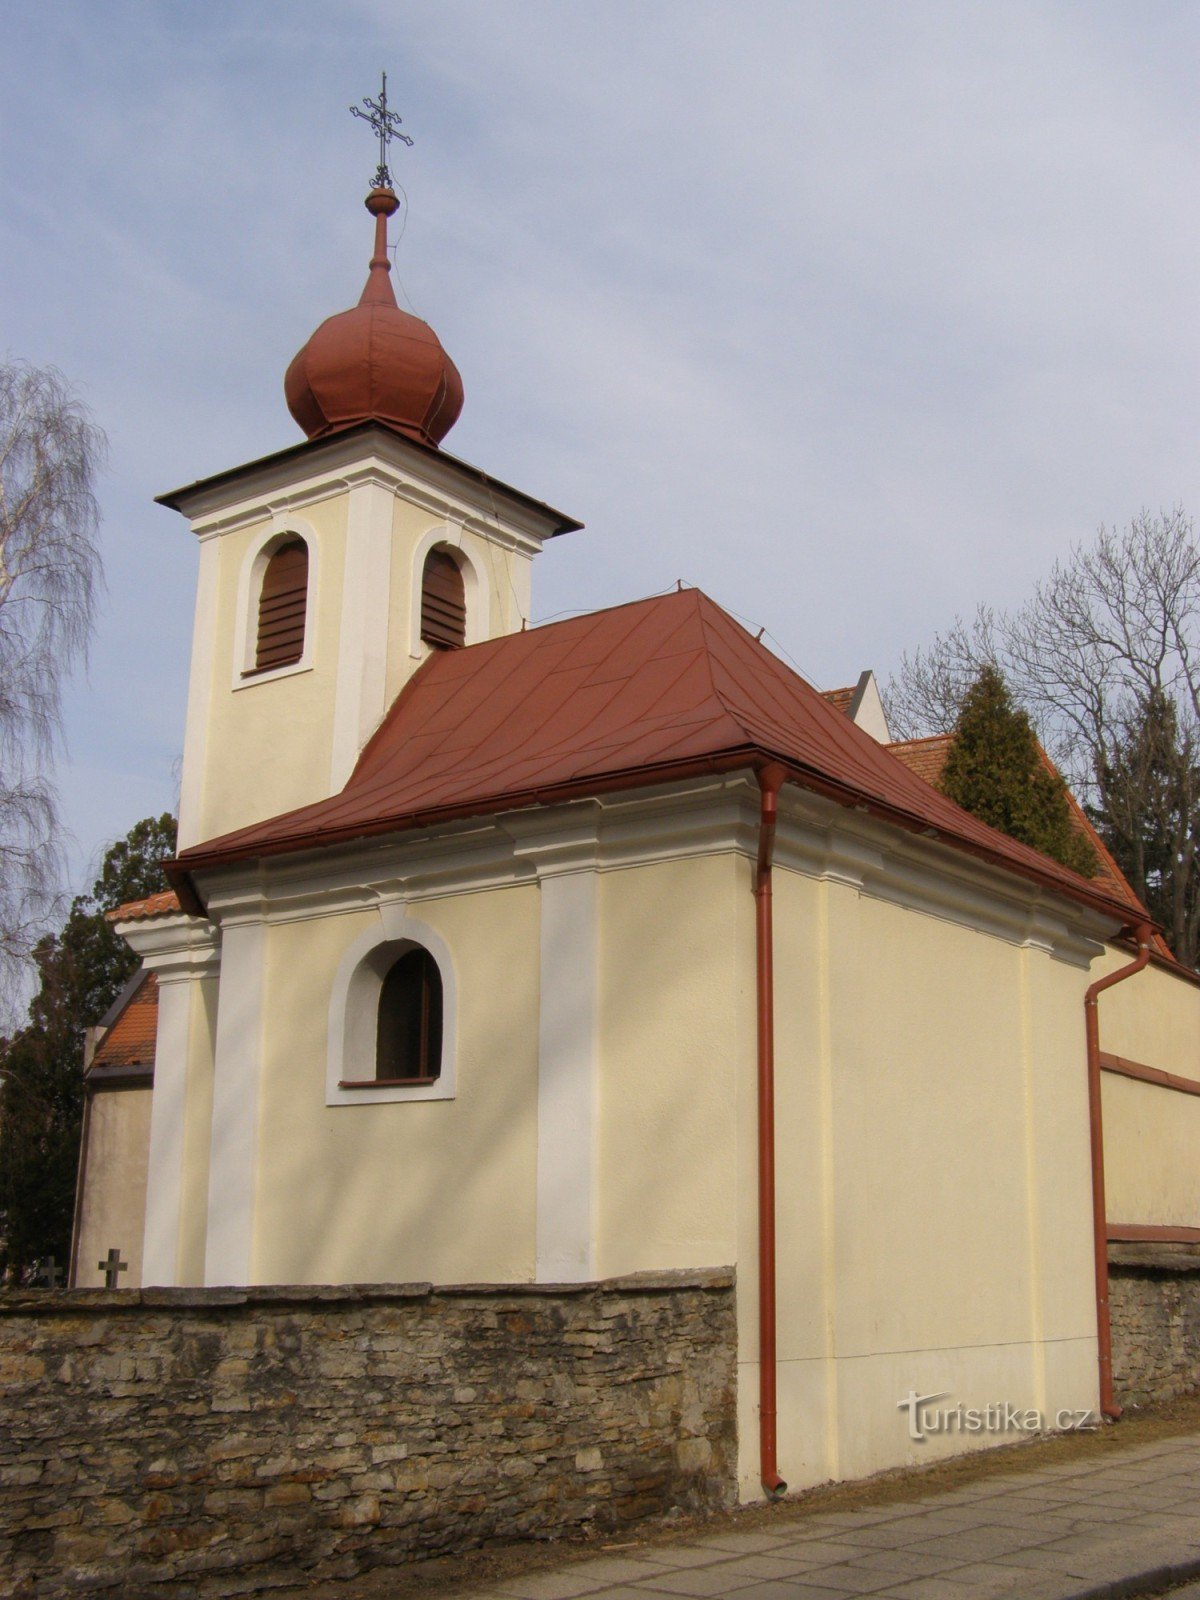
x=568, y=1059
x=704, y=816
x=354, y=1006
x=432, y=486
x=168, y=1105
x=360, y=696
x=1144, y=1074
x=237, y=1078
x=177, y=948
x=199, y=700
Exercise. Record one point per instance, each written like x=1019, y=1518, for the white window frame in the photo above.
x=354, y=1013
x=250, y=582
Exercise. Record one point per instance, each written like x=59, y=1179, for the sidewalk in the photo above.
x=1128, y=1525
x=1080, y=1517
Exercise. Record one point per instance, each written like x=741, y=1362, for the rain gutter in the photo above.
x=1108, y=1405
x=770, y=781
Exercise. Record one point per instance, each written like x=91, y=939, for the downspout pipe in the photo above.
x=770, y=781
x=1108, y=1405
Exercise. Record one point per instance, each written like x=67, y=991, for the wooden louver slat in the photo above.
x=443, y=602
x=281, y=607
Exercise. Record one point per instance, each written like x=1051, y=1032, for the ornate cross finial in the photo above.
x=386, y=125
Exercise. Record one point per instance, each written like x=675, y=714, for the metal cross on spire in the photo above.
x=387, y=127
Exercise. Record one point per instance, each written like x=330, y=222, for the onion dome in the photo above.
x=375, y=363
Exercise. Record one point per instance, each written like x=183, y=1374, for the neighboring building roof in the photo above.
x=647, y=692
x=927, y=758
x=129, y=1030
x=841, y=699
x=163, y=904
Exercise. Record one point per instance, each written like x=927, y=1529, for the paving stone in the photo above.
x=975, y=1544
x=612, y=1569
x=902, y=1563
x=854, y=1578
x=702, y=1582
x=927, y=1589
x=821, y=1552
x=559, y=1585
x=773, y=1589
x=750, y=1543
x=683, y=1555
x=783, y=1566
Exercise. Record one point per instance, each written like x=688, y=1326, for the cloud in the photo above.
x=855, y=315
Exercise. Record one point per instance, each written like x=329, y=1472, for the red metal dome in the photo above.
x=375, y=362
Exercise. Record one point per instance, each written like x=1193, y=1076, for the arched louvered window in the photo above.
x=282, y=602
x=408, y=1039
x=443, y=602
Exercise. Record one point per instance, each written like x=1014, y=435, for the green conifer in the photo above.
x=996, y=771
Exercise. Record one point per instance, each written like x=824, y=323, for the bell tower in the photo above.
x=331, y=570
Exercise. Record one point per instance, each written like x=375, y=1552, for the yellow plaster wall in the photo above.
x=503, y=573
x=1151, y=1133
x=442, y=1189
x=1153, y=1017
x=269, y=741
x=933, y=1208
x=113, y=1206
x=671, y=982
x=1151, y=1154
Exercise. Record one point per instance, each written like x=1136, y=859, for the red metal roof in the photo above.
x=641, y=693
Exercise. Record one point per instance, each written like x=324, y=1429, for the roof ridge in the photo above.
x=924, y=738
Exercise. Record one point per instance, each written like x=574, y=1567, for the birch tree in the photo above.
x=50, y=454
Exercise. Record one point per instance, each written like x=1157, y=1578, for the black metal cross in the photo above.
x=386, y=125
x=110, y=1268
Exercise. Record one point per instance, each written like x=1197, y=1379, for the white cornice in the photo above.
x=440, y=486
x=175, y=948
x=706, y=816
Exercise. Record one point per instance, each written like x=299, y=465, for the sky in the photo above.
x=854, y=314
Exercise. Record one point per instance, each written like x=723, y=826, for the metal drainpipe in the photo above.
x=1108, y=1406
x=770, y=780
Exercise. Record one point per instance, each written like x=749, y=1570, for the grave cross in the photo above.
x=48, y=1274
x=110, y=1267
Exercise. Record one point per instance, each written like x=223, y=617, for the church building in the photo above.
x=510, y=953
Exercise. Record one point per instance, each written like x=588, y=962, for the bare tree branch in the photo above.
x=1109, y=639
x=50, y=454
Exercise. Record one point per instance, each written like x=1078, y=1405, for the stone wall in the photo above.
x=1154, y=1295
x=200, y=1442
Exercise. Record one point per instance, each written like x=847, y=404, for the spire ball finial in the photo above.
x=386, y=125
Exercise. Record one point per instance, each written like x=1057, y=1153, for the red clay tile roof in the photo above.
x=163, y=904
x=927, y=758
x=646, y=692
x=130, y=1039
x=841, y=699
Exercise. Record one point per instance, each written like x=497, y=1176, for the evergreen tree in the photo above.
x=1149, y=817
x=996, y=771
x=81, y=971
